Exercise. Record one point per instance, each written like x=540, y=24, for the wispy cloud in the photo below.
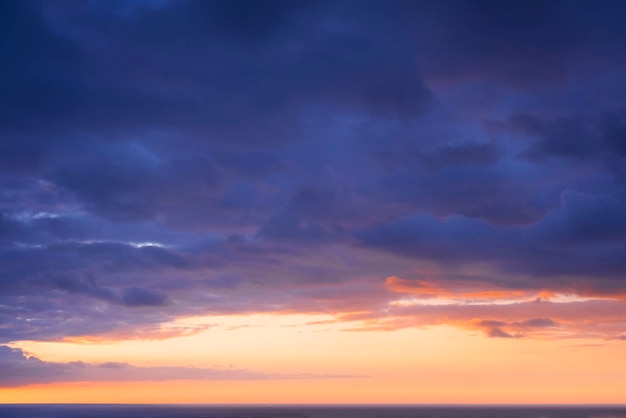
x=20, y=369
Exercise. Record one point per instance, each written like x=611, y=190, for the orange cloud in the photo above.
x=419, y=287
x=148, y=332
x=428, y=289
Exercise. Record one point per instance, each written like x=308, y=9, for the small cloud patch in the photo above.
x=140, y=296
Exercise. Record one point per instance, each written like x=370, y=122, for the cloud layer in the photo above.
x=161, y=159
x=20, y=369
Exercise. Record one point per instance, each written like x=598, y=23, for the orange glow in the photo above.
x=439, y=364
x=420, y=287
x=427, y=289
x=455, y=389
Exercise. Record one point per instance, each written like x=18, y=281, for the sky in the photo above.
x=293, y=201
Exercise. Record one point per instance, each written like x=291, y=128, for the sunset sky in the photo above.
x=290, y=201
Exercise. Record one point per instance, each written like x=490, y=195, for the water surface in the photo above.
x=204, y=411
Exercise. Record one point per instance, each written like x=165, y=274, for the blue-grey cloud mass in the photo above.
x=161, y=159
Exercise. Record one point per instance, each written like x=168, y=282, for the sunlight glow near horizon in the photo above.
x=430, y=365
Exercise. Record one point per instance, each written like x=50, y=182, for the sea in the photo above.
x=307, y=411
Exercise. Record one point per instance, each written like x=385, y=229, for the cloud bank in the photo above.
x=166, y=159
x=20, y=369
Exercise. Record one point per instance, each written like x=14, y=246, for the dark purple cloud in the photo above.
x=188, y=157
x=580, y=242
x=496, y=329
x=138, y=296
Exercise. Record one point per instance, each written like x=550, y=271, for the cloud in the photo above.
x=525, y=45
x=579, y=138
x=21, y=369
x=581, y=223
x=537, y=323
x=243, y=85
x=164, y=159
x=461, y=154
x=500, y=329
x=585, y=218
x=497, y=332
x=522, y=318
x=137, y=296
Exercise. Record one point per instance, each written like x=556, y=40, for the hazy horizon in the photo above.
x=65, y=411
